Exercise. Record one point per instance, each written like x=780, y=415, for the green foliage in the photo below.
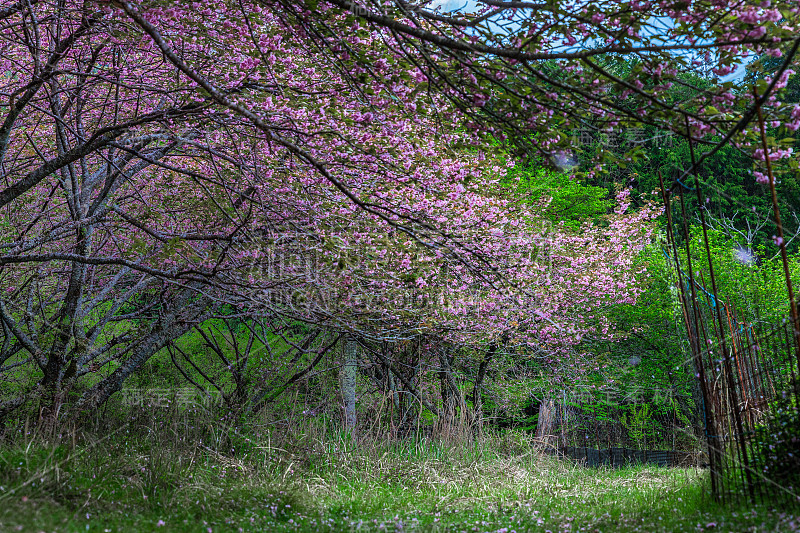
x=655, y=353
x=777, y=445
x=652, y=359
x=565, y=198
x=757, y=288
x=639, y=423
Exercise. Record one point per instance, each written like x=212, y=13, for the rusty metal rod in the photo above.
x=725, y=354
x=781, y=242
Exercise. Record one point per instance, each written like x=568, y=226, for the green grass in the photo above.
x=155, y=478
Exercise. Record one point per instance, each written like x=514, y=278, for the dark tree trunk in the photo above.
x=446, y=390
x=60, y=371
x=477, y=397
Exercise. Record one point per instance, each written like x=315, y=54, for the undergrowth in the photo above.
x=181, y=472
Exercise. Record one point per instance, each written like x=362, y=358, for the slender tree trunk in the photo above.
x=349, y=371
x=448, y=402
x=393, y=390
x=61, y=369
x=394, y=405
x=477, y=397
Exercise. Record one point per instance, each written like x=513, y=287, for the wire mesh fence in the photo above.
x=746, y=369
x=743, y=426
x=746, y=366
x=606, y=428
x=748, y=376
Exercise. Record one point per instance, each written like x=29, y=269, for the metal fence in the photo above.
x=602, y=428
x=746, y=368
x=748, y=377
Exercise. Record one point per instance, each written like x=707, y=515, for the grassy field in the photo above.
x=161, y=477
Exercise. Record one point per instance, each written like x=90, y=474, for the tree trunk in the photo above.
x=185, y=310
x=448, y=400
x=61, y=368
x=477, y=397
x=349, y=371
x=545, y=429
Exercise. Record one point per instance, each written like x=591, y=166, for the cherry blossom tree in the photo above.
x=144, y=200
x=330, y=162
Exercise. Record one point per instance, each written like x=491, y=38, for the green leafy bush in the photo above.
x=777, y=441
